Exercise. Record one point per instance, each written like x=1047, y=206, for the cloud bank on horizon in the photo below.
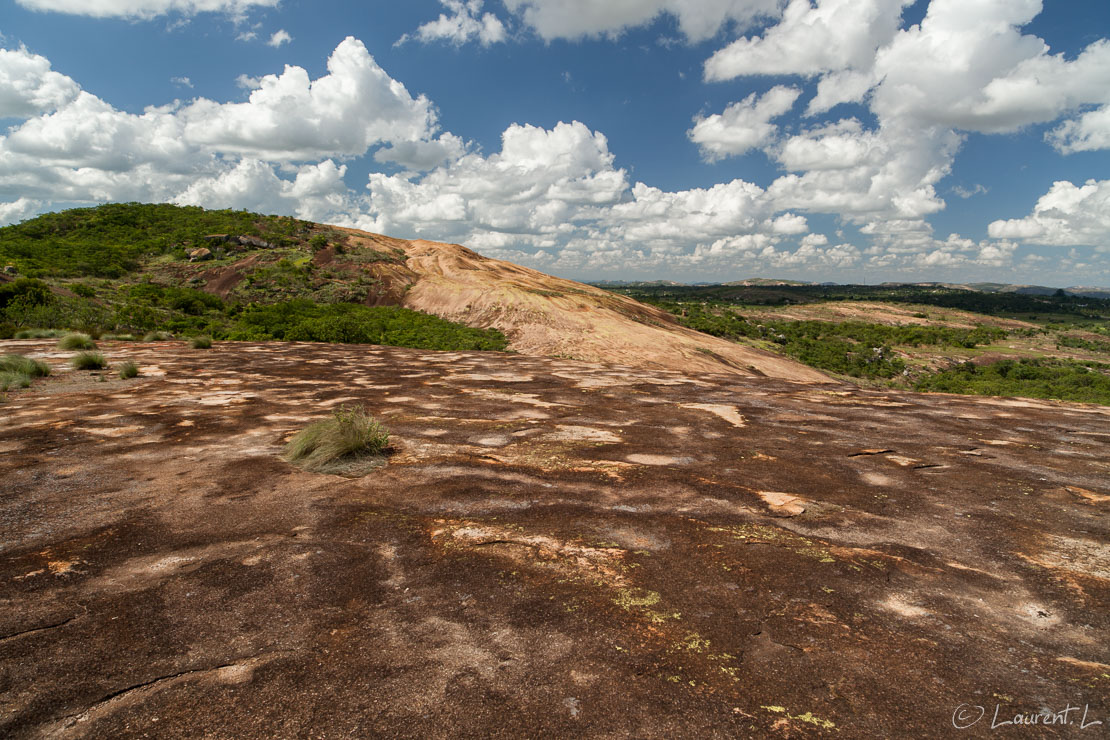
x=857, y=116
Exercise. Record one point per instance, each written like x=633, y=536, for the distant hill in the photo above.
x=152, y=256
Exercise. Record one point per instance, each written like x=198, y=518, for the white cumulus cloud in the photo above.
x=18, y=210
x=810, y=39
x=574, y=19
x=29, y=86
x=145, y=8
x=968, y=66
x=292, y=117
x=1067, y=215
x=82, y=149
x=463, y=25
x=744, y=125
x=317, y=192
x=1089, y=132
x=278, y=38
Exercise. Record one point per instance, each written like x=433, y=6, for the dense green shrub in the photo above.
x=28, y=291
x=1066, y=380
x=81, y=314
x=348, y=323
x=187, y=300
x=1093, y=345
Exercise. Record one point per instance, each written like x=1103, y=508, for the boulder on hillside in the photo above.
x=254, y=241
x=199, y=255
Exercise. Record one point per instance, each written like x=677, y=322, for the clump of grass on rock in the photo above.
x=76, y=341
x=39, y=334
x=201, y=342
x=89, y=361
x=128, y=370
x=350, y=442
x=24, y=365
x=13, y=380
x=17, y=371
x=157, y=336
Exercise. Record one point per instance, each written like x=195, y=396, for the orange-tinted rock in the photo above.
x=595, y=552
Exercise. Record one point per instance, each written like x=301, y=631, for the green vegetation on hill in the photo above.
x=927, y=358
x=1066, y=380
x=134, y=278
x=110, y=240
x=852, y=348
x=1060, y=305
x=348, y=323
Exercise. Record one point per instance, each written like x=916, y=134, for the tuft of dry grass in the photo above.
x=89, y=361
x=128, y=370
x=17, y=371
x=76, y=341
x=13, y=380
x=349, y=441
x=201, y=342
x=24, y=365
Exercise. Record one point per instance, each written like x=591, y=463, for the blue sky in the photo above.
x=848, y=140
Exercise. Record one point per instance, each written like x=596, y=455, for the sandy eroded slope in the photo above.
x=545, y=315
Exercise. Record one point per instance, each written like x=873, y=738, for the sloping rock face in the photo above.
x=554, y=549
x=550, y=316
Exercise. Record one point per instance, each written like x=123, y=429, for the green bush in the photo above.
x=1066, y=380
x=348, y=437
x=157, y=336
x=79, y=314
x=76, y=341
x=128, y=370
x=348, y=323
x=1095, y=345
x=89, y=361
x=28, y=291
x=201, y=342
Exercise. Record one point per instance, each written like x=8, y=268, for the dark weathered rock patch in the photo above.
x=553, y=549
